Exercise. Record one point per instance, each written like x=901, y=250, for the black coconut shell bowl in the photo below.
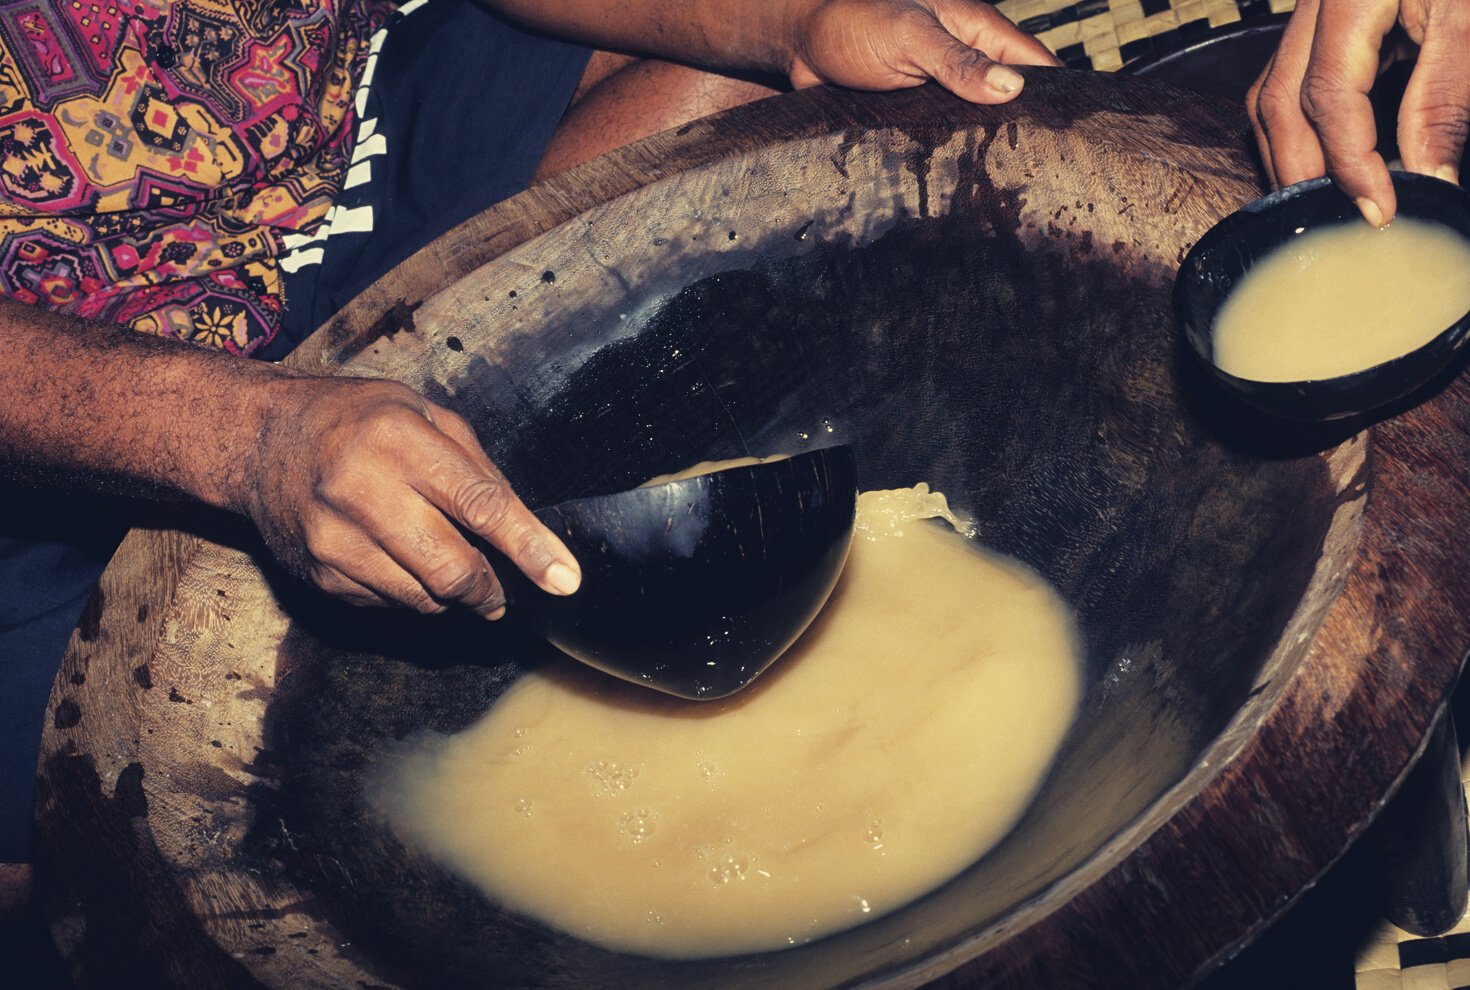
x=975, y=297
x=1226, y=253
x=694, y=587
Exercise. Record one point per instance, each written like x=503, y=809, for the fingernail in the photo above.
x=497, y=614
x=1005, y=79
x=562, y=579
x=1370, y=211
x=1448, y=173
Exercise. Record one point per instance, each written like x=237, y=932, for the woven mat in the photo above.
x=1106, y=35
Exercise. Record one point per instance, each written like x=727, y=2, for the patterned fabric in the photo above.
x=155, y=153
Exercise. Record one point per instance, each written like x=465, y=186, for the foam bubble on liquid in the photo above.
x=638, y=825
x=729, y=867
x=611, y=776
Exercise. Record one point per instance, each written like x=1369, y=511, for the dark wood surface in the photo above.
x=195, y=699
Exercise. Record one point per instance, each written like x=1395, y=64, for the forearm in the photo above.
x=756, y=35
x=112, y=409
x=357, y=484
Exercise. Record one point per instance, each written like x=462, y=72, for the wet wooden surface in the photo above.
x=165, y=867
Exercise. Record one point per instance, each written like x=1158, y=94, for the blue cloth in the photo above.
x=53, y=548
x=467, y=104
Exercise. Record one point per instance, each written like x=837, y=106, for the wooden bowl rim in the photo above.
x=1151, y=877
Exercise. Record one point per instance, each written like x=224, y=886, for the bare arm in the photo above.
x=357, y=485
x=363, y=486
x=863, y=44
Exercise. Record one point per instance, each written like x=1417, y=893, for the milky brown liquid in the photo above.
x=895, y=743
x=1342, y=299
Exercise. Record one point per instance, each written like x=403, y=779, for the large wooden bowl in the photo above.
x=973, y=297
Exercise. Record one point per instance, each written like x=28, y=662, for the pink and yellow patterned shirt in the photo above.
x=154, y=153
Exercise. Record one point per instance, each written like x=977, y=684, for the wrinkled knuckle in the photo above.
x=321, y=549
x=1273, y=98
x=336, y=488
x=453, y=577
x=1443, y=117
x=965, y=65
x=417, y=597
x=1321, y=97
x=450, y=418
x=393, y=428
x=485, y=505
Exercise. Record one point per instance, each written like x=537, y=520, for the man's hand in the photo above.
x=363, y=487
x=359, y=485
x=1310, y=107
x=865, y=44
x=894, y=44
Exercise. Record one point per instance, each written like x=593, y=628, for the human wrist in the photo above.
x=270, y=398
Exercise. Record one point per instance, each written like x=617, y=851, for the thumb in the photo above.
x=1434, y=117
x=967, y=72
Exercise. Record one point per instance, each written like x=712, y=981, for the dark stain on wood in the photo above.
x=397, y=319
x=101, y=833
x=89, y=624
x=68, y=714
